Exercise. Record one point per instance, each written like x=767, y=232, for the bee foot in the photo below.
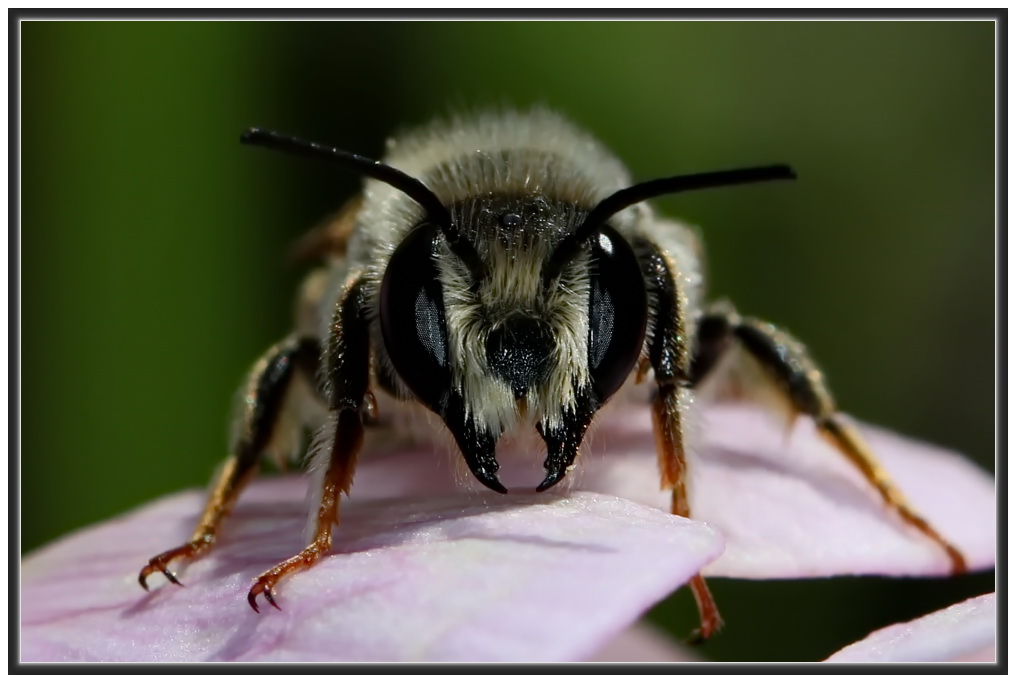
x=264, y=585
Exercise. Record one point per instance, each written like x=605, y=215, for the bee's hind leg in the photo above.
x=799, y=382
x=334, y=459
x=260, y=425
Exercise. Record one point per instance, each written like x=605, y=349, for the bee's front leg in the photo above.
x=670, y=359
x=347, y=373
x=801, y=384
x=260, y=427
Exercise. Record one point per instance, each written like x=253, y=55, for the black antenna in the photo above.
x=410, y=186
x=622, y=199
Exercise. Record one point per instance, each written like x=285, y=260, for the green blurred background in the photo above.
x=153, y=245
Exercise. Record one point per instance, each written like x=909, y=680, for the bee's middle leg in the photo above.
x=803, y=386
x=260, y=424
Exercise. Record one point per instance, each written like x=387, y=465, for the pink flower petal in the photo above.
x=645, y=643
x=522, y=577
x=964, y=632
x=424, y=570
x=789, y=505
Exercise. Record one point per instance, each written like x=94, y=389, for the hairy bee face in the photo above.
x=508, y=346
x=490, y=275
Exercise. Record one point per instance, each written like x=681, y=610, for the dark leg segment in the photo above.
x=788, y=363
x=266, y=389
x=348, y=363
x=670, y=358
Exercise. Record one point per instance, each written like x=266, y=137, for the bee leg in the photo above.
x=348, y=363
x=788, y=364
x=670, y=359
x=673, y=473
x=259, y=422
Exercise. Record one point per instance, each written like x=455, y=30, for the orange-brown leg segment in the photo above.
x=789, y=365
x=849, y=442
x=670, y=359
x=264, y=395
x=230, y=481
x=348, y=363
x=673, y=476
x=337, y=480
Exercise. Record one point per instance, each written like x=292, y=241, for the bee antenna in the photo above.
x=377, y=170
x=622, y=199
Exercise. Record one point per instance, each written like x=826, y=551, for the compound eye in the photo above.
x=413, y=316
x=618, y=310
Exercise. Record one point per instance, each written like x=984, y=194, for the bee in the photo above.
x=504, y=273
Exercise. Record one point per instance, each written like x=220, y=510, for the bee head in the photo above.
x=507, y=346
x=501, y=309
